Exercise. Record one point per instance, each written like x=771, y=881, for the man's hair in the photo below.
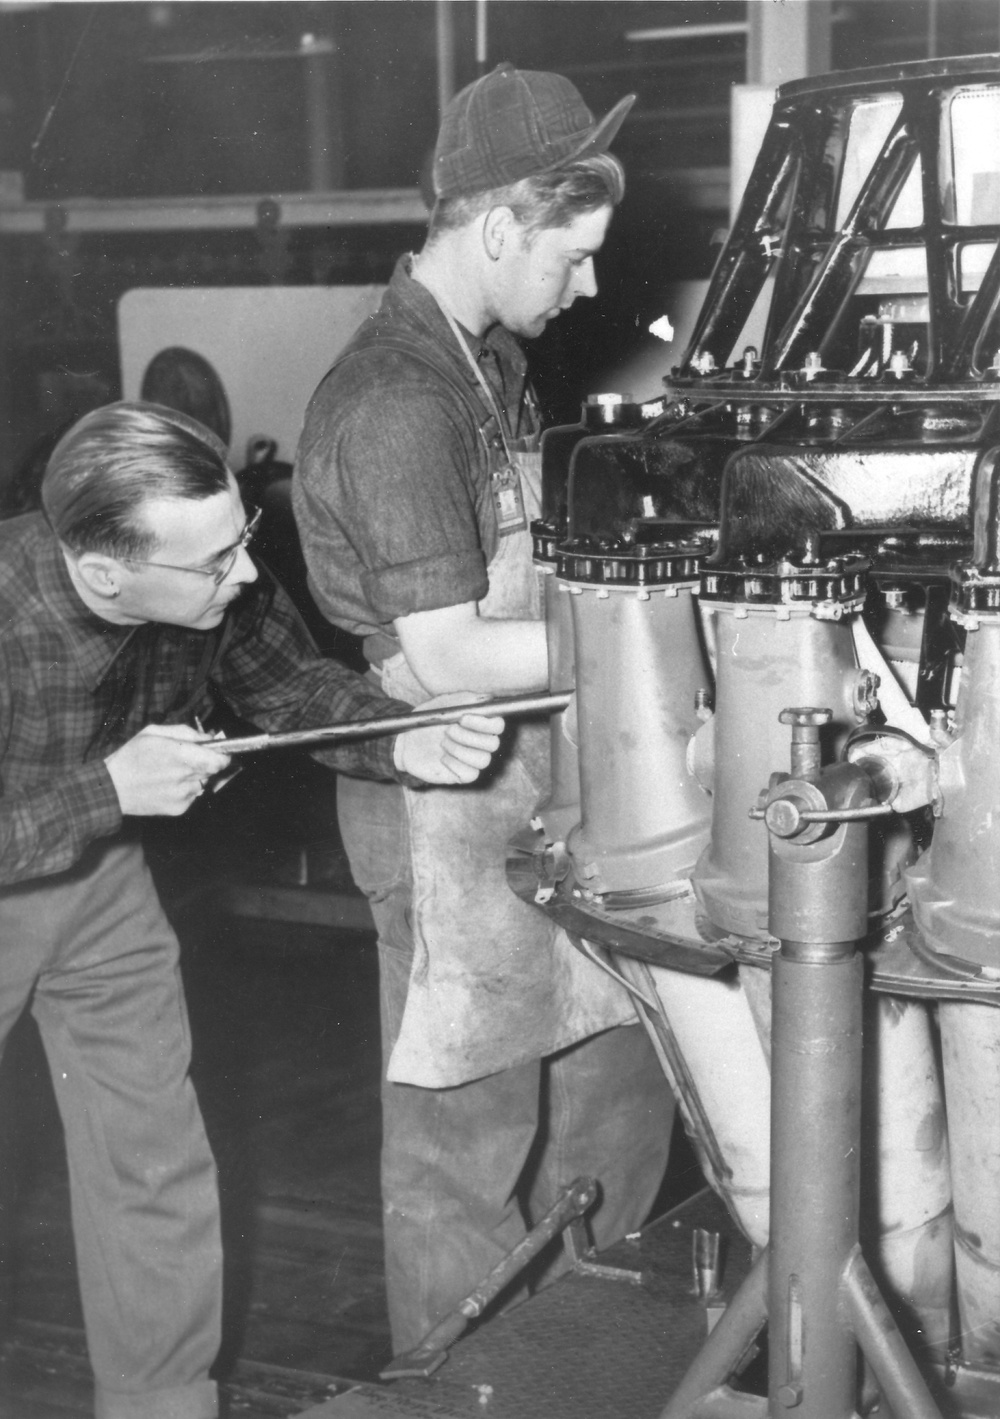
x=115, y=459
x=549, y=199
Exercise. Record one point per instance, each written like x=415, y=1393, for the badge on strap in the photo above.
x=508, y=502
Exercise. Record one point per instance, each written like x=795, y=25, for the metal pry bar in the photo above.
x=397, y=724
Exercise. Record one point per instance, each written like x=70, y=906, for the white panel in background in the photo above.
x=749, y=114
x=269, y=345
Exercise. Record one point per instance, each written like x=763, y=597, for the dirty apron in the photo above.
x=493, y=982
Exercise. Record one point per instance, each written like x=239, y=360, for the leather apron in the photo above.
x=494, y=983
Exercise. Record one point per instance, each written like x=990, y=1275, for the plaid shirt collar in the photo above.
x=94, y=643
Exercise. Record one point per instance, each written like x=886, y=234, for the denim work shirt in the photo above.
x=394, y=500
x=391, y=488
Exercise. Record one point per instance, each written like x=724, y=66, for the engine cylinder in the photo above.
x=639, y=661
x=560, y=810
x=765, y=662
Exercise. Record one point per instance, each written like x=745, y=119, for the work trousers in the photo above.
x=466, y=1170
x=93, y=952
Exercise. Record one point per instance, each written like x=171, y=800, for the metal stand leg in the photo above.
x=721, y=1354
x=822, y=1303
x=883, y=1346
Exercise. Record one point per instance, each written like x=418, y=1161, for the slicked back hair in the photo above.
x=115, y=459
x=550, y=199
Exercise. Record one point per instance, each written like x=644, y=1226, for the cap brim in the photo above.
x=606, y=131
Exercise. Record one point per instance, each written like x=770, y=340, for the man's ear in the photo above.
x=498, y=228
x=100, y=574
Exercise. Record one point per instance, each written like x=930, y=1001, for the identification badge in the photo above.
x=508, y=502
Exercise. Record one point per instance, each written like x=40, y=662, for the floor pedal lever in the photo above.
x=432, y=1351
x=582, y=1255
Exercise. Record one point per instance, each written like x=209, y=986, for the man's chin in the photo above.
x=208, y=620
x=530, y=330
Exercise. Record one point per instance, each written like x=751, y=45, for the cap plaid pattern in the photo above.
x=515, y=123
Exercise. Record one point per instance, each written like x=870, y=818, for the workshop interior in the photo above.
x=769, y=551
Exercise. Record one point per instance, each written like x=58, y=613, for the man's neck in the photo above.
x=445, y=270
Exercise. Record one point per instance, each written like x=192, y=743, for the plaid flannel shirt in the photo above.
x=73, y=688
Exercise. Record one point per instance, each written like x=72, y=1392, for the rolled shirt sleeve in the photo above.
x=385, y=494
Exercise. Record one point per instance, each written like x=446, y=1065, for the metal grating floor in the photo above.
x=586, y=1348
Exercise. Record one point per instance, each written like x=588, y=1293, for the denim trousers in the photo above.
x=467, y=1170
x=94, y=954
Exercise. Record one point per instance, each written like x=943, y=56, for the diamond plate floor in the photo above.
x=586, y=1348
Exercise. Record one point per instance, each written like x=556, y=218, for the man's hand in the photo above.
x=449, y=753
x=163, y=769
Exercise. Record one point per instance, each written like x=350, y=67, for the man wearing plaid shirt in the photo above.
x=126, y=609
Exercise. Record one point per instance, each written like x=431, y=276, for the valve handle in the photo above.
x=805, y=717
x=806, y=722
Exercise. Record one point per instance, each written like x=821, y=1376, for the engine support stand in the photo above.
x=811, y=1285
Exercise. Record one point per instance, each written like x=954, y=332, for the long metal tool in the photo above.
x=431, y=1352
x=397, y=724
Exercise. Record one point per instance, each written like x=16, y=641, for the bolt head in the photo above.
x=789, y=1395
x=783, y=817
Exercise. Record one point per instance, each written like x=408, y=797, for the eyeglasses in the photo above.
x=224, y=562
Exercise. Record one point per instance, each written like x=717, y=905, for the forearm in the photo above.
x=470, y=652
x=44, y=831
x=273, y=676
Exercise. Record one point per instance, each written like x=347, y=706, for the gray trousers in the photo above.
x=94, y=954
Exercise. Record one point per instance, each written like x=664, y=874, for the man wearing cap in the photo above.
x=507, y=1070
x=126, y=608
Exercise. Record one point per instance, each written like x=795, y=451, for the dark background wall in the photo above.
x=174, y=99
x=189, y=100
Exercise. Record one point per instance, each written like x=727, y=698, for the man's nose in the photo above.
x=243, y=571
x=585, y=282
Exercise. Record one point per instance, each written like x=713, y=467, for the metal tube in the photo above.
x=445, y=36
x=396, y=724
x=901, y=1382
x=480, y=37
x=815, y=1127
x=725, y=1347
